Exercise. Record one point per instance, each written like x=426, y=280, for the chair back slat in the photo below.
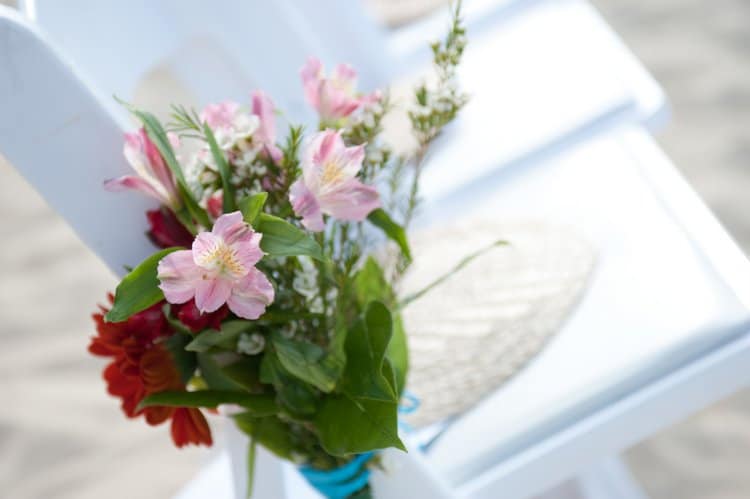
x=65, y=141
x=216, y=50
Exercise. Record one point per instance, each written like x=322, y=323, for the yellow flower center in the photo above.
x=331, y=174
x=223, y=259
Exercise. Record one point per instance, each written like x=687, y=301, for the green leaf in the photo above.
x=296, y=396
x=185, y=361
x=176, y=324
x=270, y=432
x=194, y=209
x=389, y=373
x=370, y=284
x=309, y=362
x=139, y=289
x=277, y=315
x=224, y=172
x=380, y=218
x=158, y=136
x=398, y=353
x=258, y=405
x=251, y=446
x=348, y=427
x=280, y=238
x=245, y=372
x=226, y=336
x=366, y=345
x=213, y=374
x=460, y=265
x=251, y=206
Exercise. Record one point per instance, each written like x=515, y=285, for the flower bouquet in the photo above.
x=270, y=295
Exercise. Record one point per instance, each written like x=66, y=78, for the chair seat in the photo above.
x=669, y=287
x=542, y=76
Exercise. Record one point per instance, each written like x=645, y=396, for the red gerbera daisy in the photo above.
x=142, y=365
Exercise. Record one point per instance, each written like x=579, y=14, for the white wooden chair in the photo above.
x=661, y=333
x=543, y=73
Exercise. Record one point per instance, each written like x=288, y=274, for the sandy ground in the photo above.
x=61, y=437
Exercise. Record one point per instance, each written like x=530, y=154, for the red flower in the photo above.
x=189, y=426
x=142, y=365
x=190, y=316
x=166, y=231
x=215, y=205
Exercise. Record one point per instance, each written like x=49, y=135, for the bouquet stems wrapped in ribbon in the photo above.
x=266, y=297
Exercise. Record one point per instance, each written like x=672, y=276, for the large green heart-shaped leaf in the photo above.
x=398, y=353
x=370, y=284
x=348, y=427
x=366, y=344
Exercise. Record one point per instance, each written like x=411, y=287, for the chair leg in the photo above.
x=271, y=485
x=609, y=479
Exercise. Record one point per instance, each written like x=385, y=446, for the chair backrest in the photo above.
x=216, y=50
x=66, y=141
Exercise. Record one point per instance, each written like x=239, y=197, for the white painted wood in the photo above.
x=214, y=480
x=119, y=43
x=609, y=479
x=405, y=475
x=698, y=384
x=65, y=141
x=543, y=74
x=408, y=475
x=672, y=331
x=269, y=477
x=605, y=52
x=655, y=303
x=535, y=85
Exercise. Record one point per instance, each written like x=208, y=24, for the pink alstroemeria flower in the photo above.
x=219, y=269
x=264, y=109
x=229, y=123
x=221, y=115
x=334, y=97
x=154, y=176
x=329, y=183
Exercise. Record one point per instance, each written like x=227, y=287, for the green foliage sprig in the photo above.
x=319, y=375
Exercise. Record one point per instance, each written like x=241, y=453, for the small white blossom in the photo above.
x=251, y=344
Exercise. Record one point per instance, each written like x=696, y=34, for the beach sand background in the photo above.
x=62, y=437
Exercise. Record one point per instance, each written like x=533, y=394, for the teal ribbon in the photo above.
x=342, y=482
